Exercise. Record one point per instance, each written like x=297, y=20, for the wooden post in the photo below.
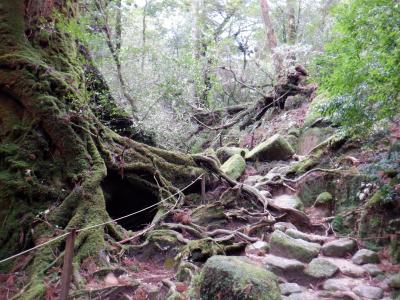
x=203, y=188
x=67, y=266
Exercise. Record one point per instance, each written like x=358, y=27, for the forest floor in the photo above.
x=310, y=258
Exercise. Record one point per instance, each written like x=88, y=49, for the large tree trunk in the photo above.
x=54, y=152
x=271, y=39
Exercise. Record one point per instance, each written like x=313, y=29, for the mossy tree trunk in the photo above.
x=54, y=152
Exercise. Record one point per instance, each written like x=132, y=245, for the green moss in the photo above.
x=341, y=226
x=274, y=148
x=324, y=198
x=200, y=250
x=234, y=166
x=236, y=278
x=294, y=248
x=306, y=164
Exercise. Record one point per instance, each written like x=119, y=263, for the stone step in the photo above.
x=286, y=246
x=339, y=248
x=346, y=267
x=309, y=237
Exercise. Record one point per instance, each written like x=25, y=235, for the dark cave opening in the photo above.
x=123, y=197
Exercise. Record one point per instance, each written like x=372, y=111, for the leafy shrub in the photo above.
x=361, y=64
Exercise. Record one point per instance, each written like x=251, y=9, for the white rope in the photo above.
x=36, y=247
x=98, y=225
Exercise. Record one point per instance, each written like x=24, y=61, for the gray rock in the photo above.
x=369, y=292
x=291, y=288
x=394, y=281
x=339, y=284
x=365, y=256
x=339, y=248
x=257, y=247
x=303, y=296
x=321, y=268
x=286, y=246
x=347, y=267
x=274, y=148
x=252, y=180
x=228, y=277
x=288, y=201
x=276, y=263
x=372, y=269
x=266, y=194
x=306, y=236
x=283, y=226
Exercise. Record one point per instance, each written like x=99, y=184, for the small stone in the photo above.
x=321, y=268
x=110, y=279
x=339, y=248
x=291, y=288
x=306, y=236
x=361, y=196
x=283, y=226
x=365, y=256
x=369, y=292
x=286, y=246
x=394, y=281
x=266, y=194
x=339, y=284
x=372, y=269
x=288, y=201
x=303, y=296
x=259, y=247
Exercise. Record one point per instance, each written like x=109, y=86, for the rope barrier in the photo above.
x=98, y=225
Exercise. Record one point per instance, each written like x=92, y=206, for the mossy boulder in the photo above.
x=235, y=277
x=286, y=246
x=224, y=153
x=234, y=166
x=342, y=187
x=324, y=198
x=274, y=148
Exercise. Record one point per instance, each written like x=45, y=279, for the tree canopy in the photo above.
x=360, y=67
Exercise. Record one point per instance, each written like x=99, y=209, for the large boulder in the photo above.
x=224, y=153
x=274, y=148
x=236, y=277
x=286, y=246
x=234, y=166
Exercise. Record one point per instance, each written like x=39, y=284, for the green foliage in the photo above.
x=340, y=225
x=360, y=68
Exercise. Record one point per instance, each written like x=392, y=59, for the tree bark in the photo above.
x=115, y=48
x=271, y=40
x=54, y=152
x=291, y=19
